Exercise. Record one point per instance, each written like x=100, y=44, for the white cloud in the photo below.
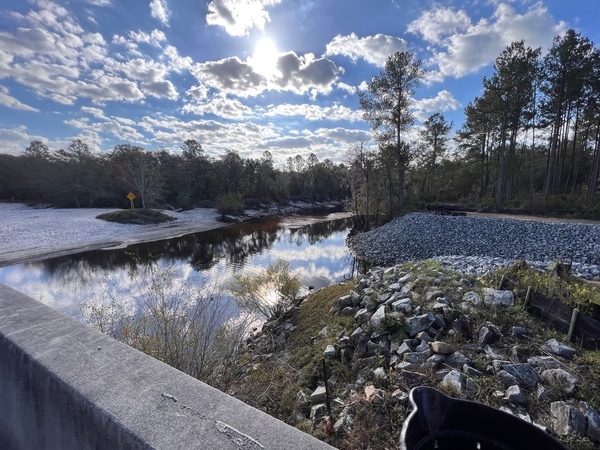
x=160, y=11
x=461, y=48
x=373, y=49
x=346, y=87
x=220, y=106
x=432, y=25
x=314, y=112
x=15, y=141
x=155, y=37
x=443, y=101
x=238, y=17
x=298, y=74
x=11, y=102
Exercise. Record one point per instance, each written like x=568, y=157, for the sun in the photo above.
x=264, y=58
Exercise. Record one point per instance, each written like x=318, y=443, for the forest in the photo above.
x=531, y=141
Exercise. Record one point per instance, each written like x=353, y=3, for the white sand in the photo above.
x=29, y=234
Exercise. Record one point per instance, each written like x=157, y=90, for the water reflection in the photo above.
x=314, y=246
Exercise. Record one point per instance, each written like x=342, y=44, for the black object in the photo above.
x=441, y=422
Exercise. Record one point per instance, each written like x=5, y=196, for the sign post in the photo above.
x=131, y=197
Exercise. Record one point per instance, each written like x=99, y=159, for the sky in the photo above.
x=247, y=75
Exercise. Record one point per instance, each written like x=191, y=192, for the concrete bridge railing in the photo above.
x=66, y=386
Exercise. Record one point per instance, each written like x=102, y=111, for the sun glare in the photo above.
x=264, y=58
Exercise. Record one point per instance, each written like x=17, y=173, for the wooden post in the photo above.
x=501, y=282
x=572, y=324
x=527, y=298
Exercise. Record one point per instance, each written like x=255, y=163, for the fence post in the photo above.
x=501, y=282
x=527, y=298
x=572, y=324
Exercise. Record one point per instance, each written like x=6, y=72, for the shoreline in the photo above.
x=29, y=234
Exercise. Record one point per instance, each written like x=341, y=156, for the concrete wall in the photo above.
x=64, y=386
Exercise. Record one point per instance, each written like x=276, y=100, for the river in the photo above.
x=313, y=245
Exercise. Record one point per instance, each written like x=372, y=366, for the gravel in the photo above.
x=475, y=245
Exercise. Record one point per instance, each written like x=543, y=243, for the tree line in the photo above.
x=530, y=141
x=78, y=177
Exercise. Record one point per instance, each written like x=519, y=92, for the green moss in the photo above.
x=136, y=216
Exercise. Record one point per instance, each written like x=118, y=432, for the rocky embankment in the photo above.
x=415, y=325
x=475, y=245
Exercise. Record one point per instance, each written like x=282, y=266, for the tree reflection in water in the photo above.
x=314, y=246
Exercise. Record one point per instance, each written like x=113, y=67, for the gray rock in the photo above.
x=462, y=327
x=433, y=292
x=493, y=353
x=516, y=396
x=356, y=334
x=560, y=380
x=519, y=333
x=493, y=297
x=303, y=400
x=329, y=352
x=403, y=305
x=441, y=347
x=417, y=357
x=404, y=348
x=318, y=396
x=471, y=371
x=343, y=302
x=378, y=318
x=318, y=411
x=435, y=361
x=486, y=336
x=380, y=374
x=526, y=377
x=506, y=378
x=345, y=421
x=558, y=348
x=424, y=336
x=472, y=297
x=471, y=387
x=567, y=419
x=458, y=359
x=422, y=347
x=543, y=394
x=347, y=311
x=453, y=381
x=543, y=362
x=592, y=429
x=416, y=324
x=362, y=315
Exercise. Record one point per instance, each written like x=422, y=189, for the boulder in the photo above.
x=362, y=315
x=416, y=324
x=345, y=421
x=441, y=347
x=543, y=362
x=494, y=297
x=471, y=387
x=558, y=348
x=329, y=352
x=417, y=357
x=318, y=396
x=378, y=318
x=559, y=379
x=567, y=419
x=486, y=336
x=515, y=396
x=525, y=375
x=318, y=411
x=592, y=421
x=453, y=381
x=372, y=394
x=458, y=359
x=403, y=305
x=519, y=333
x=472, y=297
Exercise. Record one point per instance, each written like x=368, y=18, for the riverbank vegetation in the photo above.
x=531, y=141
x=136, y=216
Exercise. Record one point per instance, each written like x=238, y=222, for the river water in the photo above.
x=313, y=245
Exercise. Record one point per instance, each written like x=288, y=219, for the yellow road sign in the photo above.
x=131, y=196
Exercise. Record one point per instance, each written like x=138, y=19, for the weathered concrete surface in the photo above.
x=64, y=385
